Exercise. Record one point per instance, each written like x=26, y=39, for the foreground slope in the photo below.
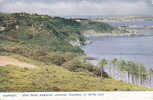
x=54, y=78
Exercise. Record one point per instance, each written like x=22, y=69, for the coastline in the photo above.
x=113, y=34
x=129, y=33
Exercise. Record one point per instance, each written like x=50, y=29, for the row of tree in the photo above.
x=129, y=71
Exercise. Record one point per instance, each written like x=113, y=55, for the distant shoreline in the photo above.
x=113, y=34
x=94, y=34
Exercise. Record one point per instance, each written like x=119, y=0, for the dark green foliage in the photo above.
x=74, y=65
x=96, y=26
x=51, y=34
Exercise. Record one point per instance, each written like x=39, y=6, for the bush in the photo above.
x=68, y=56
x=57, y=58
x=74, y=65
x=97, y=72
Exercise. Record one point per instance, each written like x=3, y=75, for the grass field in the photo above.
x=49, y=78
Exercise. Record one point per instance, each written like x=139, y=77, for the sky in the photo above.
x=79, y=7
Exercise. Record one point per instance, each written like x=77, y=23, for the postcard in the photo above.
x=76, y=49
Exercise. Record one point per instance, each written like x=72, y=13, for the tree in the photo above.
x=150, y=75
x=131, y=69
x=114, y=63
x=142, y=73
x=101, y=65
x=122, y=67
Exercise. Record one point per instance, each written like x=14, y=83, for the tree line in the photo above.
x=135, y=73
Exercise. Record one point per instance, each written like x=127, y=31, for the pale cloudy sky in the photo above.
x=79, y=7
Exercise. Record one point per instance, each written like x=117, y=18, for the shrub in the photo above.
x=73, y=65
x=57, y=58
x=97, y=72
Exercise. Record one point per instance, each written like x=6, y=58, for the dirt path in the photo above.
x=5, y=60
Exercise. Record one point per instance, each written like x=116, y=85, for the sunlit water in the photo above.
x=137, y=49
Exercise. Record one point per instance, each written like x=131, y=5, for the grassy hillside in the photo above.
x=47, y=43
x=52, y=34
x=98, y=27
x=55, y=78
